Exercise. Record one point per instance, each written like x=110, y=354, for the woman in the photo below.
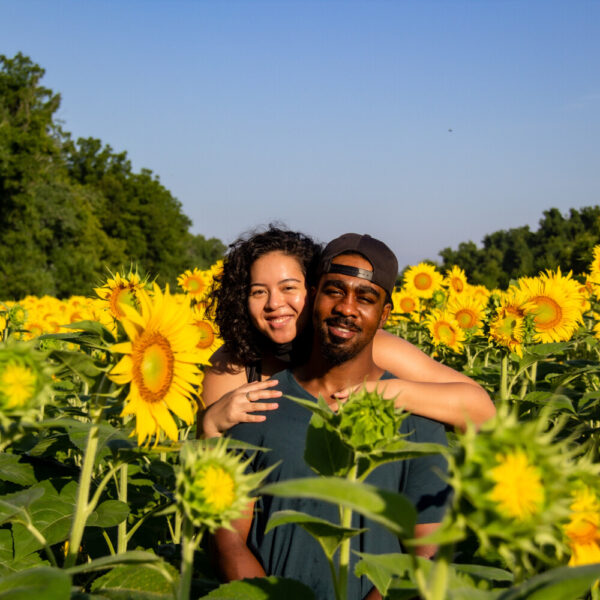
x=261, y=308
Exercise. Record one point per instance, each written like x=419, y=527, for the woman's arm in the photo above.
x=426, y=387
x=229, y=400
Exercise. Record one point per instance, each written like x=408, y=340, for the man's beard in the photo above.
x=335, y=350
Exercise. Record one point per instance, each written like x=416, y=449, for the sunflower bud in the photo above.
x=213, y=487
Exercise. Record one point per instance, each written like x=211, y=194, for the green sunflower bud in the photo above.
x=213, y=487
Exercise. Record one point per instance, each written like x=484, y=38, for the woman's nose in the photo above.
x=274, y=300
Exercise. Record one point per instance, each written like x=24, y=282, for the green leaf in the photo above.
x=51, y=514
x=40, y=582
x=78, y=363
x=392, y=510
x=263, y=588
x=109, y=513
x=329, y=535
x=381, y=569
x=134, y=557
x=12, y=504
x=138, y=582
x=403, y=451
x=325, y=452
x=317, y=408
x=469, y=593
x=7, y=564
x=484, y=572
x=558, y=401
x=556, y=584
x=11, y=469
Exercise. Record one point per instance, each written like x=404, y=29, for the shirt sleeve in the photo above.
x=426, y=486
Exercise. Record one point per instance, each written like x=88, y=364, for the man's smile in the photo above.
x=342, y=328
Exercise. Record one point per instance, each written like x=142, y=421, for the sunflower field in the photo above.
x=106, y=493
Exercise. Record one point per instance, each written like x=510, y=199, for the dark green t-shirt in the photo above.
x=288, y=551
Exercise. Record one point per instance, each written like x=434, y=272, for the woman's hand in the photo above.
x=239, y=406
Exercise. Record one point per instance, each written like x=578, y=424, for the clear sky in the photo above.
x=422, y=123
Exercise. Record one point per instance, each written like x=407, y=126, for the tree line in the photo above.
x=72, y=210
x=564, y=241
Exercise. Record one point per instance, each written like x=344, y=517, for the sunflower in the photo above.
x=583, y=529
x=467, y=311
x=445, y=330
x=555, y=303
x=120, y=291
x=160, y=364
x=406, y=304
x=423, y=280
x=456, y=280
x=507, y=328
x=595, y=266
x=212, y=485
x=518, y=488
x=194, y=283
x=209, y=340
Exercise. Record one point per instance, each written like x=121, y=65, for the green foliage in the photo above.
x=560, y=241
x=70, y=210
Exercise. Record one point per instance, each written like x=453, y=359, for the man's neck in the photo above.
x=319, y=378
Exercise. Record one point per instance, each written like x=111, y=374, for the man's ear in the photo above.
x=385, y=313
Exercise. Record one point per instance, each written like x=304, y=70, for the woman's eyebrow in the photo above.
x=278, y=283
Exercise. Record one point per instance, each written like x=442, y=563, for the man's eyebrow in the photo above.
x=361, y=289
x=279, y=282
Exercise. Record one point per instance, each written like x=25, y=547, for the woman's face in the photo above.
x=277, y=300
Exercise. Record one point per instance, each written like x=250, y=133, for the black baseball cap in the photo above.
x=382, y=259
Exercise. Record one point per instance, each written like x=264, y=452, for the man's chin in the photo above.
x=336, y=354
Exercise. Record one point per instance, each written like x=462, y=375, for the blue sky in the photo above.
x=335, y=116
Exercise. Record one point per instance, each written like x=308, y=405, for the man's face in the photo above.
x=347, y=311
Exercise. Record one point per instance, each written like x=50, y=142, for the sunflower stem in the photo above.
x=504, y=377
x=122, y=527
x=82, y=511
x=189, y=543
x=439, y=585
x=344, y=556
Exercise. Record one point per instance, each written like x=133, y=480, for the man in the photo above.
x=351, y=301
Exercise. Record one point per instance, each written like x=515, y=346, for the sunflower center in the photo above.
x=423, y=281
x=207, y=335
x=195, y=285
x=548, y=313
x=18, y=385
x=152, y=366
x=218, y=487
x=407, y=305
x=466, y=318
x=457, y=284
x=445, y=333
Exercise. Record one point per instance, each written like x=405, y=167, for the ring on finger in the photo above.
x=248, y=397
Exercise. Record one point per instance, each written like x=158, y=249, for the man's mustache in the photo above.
x=343, y=323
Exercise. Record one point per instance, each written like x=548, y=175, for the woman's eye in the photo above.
x=256, y=293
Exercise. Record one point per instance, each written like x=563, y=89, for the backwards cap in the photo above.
x=382, y=259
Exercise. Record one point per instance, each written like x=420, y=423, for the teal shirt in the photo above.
x=288, y=551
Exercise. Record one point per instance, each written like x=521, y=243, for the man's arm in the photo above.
x=234, y=558
x=423, y=530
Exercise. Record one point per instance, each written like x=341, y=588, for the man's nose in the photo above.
x=346, y=306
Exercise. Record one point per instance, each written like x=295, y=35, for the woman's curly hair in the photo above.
x=228, y=298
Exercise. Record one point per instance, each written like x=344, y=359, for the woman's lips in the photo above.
x=279, y=322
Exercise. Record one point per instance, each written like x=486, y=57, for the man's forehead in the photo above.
x=354, y=266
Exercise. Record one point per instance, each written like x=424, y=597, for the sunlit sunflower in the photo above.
x=555, y=302
x=209, y=340
x=445, y=330
x=583, y=529
x=481, y=293
x=467, y=311
x=18, y=384
x=213, y=486
x=119, y=291
x=406, y=304
x=595, y=265
x=160, y=364
x=518, y=488
x=194, y=282
x=423, y=279
x=456, y=280
x=507, y=328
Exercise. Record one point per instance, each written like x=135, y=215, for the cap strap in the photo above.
x=351, y=271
